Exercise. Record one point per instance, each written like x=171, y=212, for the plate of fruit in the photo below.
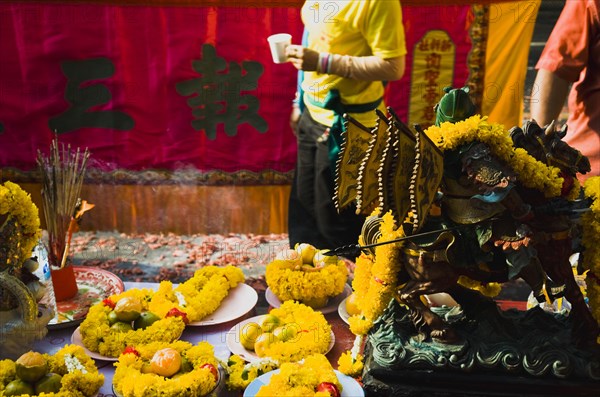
x=288, y=333
x=126, y=320
x=307, y=275
x=172, y=369
x=314, y=375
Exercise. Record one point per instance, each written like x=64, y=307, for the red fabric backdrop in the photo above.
x=117, y=79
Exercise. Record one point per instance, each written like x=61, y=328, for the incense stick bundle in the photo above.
x=62, y=172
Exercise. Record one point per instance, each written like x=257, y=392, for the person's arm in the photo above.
x=368, y=68
x=548, y=99
x=565, y=56
x=371, y=68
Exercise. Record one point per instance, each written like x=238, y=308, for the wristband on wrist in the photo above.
x=323, y=62
x=319, y=61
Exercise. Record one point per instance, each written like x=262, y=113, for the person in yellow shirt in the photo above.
x=350, y=49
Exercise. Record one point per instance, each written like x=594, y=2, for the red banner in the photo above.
x=173, y=87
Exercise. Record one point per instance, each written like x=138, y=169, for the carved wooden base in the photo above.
x=500, y=354
x=382, y=382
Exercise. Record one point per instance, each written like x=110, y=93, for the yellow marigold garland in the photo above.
x=349, y=365
x=16, y=247
x=374, y=283
x=81, y=380
x=375, y=280
x=199, y=296
x=530, y=172
x=296, y=379
x=289, y=284
x=313, y=337
x=131, y=381
x=591, y=258
x=98, y=336
x=240, y=374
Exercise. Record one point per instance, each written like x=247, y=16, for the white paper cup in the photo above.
x=277, y=43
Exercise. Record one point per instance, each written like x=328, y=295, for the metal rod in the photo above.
x=356, y=248
x=411, y=236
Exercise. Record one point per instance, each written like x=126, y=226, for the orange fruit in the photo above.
x=112, y=317
x=263, y=341
x=50, y=383
x=120, y=326
x=145, y=320
x=31, y=366
x=128, y=308
x=270, y=322
x=286, y=332
x=166, y=362
x=289, y=258
x=321, y=260
x=18, y=387
x=351, y=305
x=306, y=251
x=248, y=335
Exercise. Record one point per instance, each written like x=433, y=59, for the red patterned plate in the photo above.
x=94, y=286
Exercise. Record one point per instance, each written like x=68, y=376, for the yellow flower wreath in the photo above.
x=98, y=336
x=531, y=173
x=133, y=380
x=306, y=286
x=313, y=336
x=296, y=379
x=16, y=246
x=199, y=296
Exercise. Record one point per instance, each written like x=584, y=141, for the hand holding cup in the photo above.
x=278, y=43
x=302, y=58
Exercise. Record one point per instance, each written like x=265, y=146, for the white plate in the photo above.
x=350, y=387
x=344, y=315
x=77, y=340
x=238, y=302
x=234, y=345
x=331, y=307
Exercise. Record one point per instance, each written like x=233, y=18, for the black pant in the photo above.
x=312, y=216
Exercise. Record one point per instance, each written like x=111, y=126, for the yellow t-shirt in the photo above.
x=356, y=28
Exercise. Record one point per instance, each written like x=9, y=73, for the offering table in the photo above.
x=213, y=334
